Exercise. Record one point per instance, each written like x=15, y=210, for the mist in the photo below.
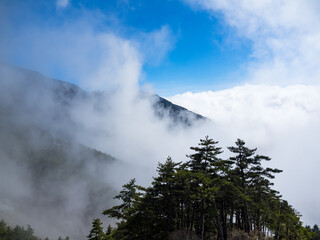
x=106, y=132
x=282, y=122
x=66, y=152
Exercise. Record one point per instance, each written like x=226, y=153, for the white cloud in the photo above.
x=284, y=34
x=280, y=121
x=76, y=51
x=62, y=3
x=96, y=60
x=156, y=45
x=271, y=105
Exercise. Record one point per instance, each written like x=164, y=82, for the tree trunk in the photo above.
x=218, y=221
x=246, y=218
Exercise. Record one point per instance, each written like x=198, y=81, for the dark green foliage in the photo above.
x=129, y=196
x=208, y=198
x=19, y=233
x=109, y=233
x=252, y=180
x=96, y=232
x=315, y=232
x=16, y=233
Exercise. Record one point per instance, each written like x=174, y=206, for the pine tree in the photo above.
x=205, y=159
x=128, y=195
x=109, y=230
x=164, y=187
x=208, y=196
x=206, y=168
x=96, y=232
x=109, y=233
x=252, y=180
x=130, y=212
x=316, y=232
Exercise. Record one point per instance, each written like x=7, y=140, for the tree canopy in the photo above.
x=208, y=197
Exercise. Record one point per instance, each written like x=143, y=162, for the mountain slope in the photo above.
x=177, y=114
x=48, y=177
x=65, y=95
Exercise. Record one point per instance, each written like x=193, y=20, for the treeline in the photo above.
x=206, y=197
x=19, y=233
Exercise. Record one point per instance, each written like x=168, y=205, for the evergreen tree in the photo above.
x=207, y=168
x=316, y=232
x=109, y=233
x=96, y=232
x=3, y=229
x=205, y=159
x=129, y=212
x=251, y=178
x=164, y=187
x=208, y=197
x=128, y=195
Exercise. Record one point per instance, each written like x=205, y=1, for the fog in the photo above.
x=51, y=180
x=114, y=114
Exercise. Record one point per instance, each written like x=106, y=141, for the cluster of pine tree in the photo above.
x=16, y=233
x=206, y=198
x=19, y=233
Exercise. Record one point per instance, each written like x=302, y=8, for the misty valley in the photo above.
x=68, y=155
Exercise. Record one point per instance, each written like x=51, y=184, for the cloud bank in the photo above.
x=282, y=122
x=278, y=108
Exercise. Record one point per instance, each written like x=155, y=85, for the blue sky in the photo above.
x=204, y=52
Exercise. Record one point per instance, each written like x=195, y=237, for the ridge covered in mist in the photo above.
x=48, y=173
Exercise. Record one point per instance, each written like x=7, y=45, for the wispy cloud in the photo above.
x=62, y=3
x=96, y=60
x=284, y=36
x=94, y=57
x=156, y=45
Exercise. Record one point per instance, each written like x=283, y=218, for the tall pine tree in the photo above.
x=96, y=232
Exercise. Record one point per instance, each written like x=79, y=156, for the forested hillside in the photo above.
x=20, y=233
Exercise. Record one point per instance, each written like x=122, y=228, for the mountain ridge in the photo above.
x=66, y=92
x=46, y=170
